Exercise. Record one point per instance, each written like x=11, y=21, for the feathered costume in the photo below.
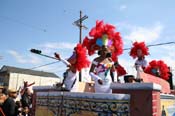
x=141, y=46
x=104, y=35
x=81, y=58
x=76, y=62
x=140, y=62
x=158, y=68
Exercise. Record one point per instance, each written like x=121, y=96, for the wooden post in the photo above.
x=78, y=23
x=80, y=41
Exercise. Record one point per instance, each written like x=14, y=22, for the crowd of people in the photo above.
x=14, y=103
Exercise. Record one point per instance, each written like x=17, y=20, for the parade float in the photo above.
x=151, y=96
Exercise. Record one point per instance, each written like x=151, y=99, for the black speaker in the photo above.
x=126, y=78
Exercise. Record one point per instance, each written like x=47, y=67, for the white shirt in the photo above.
x=70, y=82
x=140, y=63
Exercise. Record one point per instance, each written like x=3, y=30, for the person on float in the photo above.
x=139, y=51
x=158, y=68
x=100, y=71
x=75, y=63
x=109, y=45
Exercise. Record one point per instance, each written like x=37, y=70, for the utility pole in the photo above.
x=80, y=37
x=79, y=24
x=152, y=45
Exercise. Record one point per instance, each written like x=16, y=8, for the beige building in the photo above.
x=13, y=77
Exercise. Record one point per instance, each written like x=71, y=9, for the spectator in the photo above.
x=18, y=108
x=26, y=111
x=8, y=105
x=27, y=98
x=13, y=94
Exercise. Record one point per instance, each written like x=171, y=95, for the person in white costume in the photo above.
x=100, y=71
x=75, y=63
x=141, y=61
x=103, y=38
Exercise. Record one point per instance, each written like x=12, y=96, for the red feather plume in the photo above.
x=139, y=45
x=161, y=66
x=97, y=32
x=120, y=70
x=81, y=57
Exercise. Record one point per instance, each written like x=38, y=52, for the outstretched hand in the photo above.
x=57, y=56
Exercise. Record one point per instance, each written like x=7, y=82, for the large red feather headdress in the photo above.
x=158, y=68
x=80, y=56
x=104, y=34
x=141, y=46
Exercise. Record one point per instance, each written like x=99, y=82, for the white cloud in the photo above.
x=162, y=51
x=123, y=25
x=168, y=55
x=34, y=59
x=147, y=34
x=169, y=61
x=18, y=57
x=24, y=59
x=122, y=7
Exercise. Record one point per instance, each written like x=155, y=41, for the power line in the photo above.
x=25, y=70
x=154, y=45
x=124, y=49
x=43, y=65
x=161, y=44
x=39, y=52
x=22, y=23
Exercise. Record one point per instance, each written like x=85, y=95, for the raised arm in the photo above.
x=93, y=75
x=61, y=59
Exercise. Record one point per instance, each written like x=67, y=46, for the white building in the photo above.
x=13, y=77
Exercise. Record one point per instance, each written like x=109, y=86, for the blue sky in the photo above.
x=47, y=25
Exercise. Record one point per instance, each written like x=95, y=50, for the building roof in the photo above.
x=11, y=69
